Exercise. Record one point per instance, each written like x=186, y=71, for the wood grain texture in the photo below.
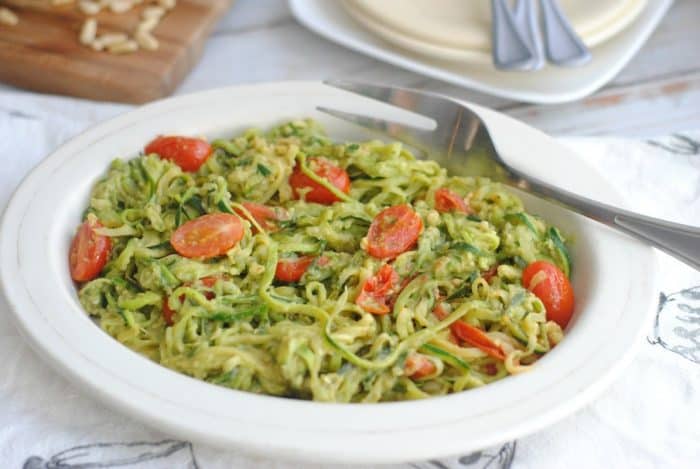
x=42, y=52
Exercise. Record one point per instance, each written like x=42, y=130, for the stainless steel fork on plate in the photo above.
x=517, y=42
x=461, y=142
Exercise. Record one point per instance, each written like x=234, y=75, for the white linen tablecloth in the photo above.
x=649, y=418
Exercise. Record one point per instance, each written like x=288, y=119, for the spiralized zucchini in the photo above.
x=310, y=340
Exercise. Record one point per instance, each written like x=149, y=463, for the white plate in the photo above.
x=446, y=29
x=549, y=85
x=613, y=280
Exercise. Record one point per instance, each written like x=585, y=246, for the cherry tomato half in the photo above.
x=89, y=252
x=419, y=366
x=187, y=152
x=292, y=269
x=471, y=335
x=207, y=236
x=449, y=201
x=393, y=231
x=550, y=285
x=266, y=216
x=477, y=338
x=378, y=290
x=169, y=313
x=336, y=176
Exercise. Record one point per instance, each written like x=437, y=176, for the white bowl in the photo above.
x=612, y=279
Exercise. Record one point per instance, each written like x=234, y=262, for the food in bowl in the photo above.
x=287, y=264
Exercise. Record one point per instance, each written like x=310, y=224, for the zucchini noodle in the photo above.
x=246, y=330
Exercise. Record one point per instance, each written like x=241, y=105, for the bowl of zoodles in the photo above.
x=235, y=268
x=282, y=262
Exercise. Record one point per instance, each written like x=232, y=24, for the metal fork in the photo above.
x=461, y=142
x=564, y=46
x=512, y=48
x=517, y=44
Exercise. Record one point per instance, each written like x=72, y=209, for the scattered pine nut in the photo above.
x=8, y=17
x=97, y=45
x=167, y=4
x=146, y=40
x=116, y=43
x=120, y=6
x=89, y=7
x=110, y=39
x=88, y=31
x=123, y=47
x=148, y=24
x=152, y=12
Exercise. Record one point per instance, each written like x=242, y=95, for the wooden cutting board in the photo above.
x=42, y=52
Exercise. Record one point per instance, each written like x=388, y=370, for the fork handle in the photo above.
x=675, y=239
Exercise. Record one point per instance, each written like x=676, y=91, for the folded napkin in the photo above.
x=650, y=416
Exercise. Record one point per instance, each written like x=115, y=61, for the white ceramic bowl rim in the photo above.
x=38, y=223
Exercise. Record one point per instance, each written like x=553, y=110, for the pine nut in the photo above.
x=88, y=31
x=148, y=25
x=110, y=39
x=89, y=7
x=8, y=17
x=97, y=45
x=123, y=47
x=146, y=40
x=120, y=6
x=167, y=4
x=152, y=12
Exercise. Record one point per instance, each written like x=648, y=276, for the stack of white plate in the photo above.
x=461, y=31
x=451, y=40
